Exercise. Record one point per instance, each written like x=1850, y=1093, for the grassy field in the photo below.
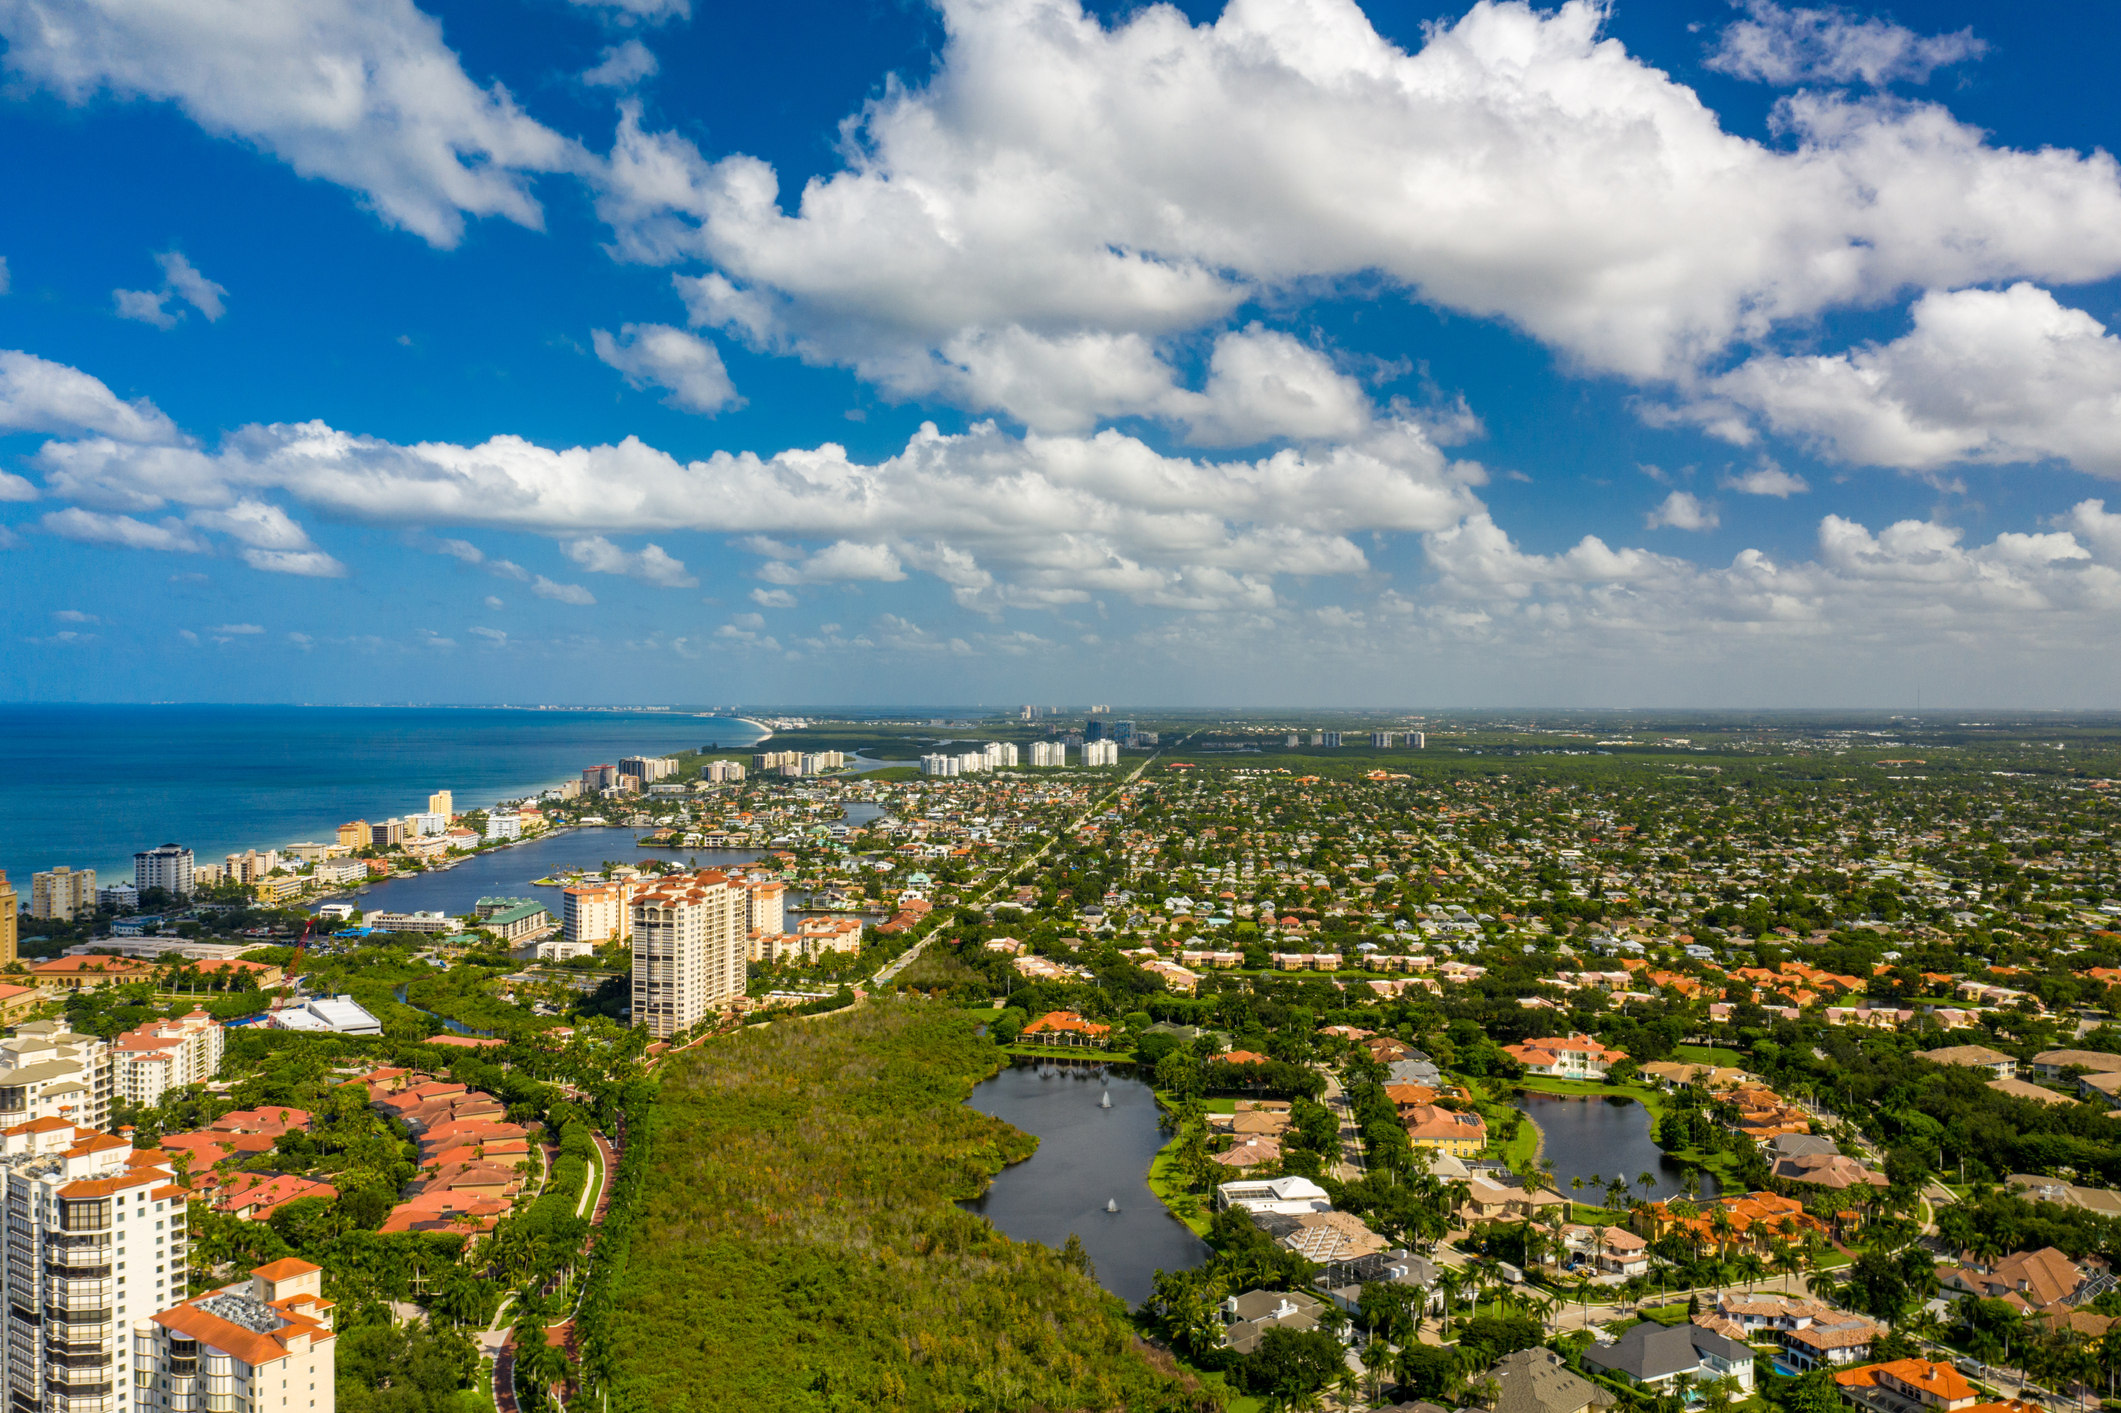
x=1708, y=1055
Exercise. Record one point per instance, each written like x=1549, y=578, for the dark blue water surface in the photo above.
x=1086, y=1156
x=512, y=872
x=1601, y=1137
x=86, y=786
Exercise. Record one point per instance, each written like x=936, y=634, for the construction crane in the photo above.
x=294, y=965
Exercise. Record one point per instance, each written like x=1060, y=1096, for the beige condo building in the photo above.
x=62, y=893
x=10, y=918
x=688, y=950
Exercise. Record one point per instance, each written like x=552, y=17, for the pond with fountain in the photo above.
x=1098, y=1130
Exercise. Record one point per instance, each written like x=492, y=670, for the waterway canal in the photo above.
x=1599, y=1137
x=1087, y=1155
x=512, y=872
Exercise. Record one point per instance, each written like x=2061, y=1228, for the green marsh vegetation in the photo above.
x=792, y=1240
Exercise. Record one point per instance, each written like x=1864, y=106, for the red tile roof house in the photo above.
x=1565, y=1057
x=1066, y=1028
x=446, y=1212
x=256, y=1196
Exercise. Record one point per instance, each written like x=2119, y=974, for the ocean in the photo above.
x=87, y=786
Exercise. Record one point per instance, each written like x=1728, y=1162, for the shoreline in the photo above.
x=121, y=870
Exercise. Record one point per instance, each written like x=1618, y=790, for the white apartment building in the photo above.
x=1419, y=740
x=335, y=872
x=1047, y=753
x=930, y=765
x=1100, y=753
x=421, y=826
x=1000, y=755
x=167, y=866
x=1383, y=740
x=95, y=1243
x=62, y=893
x=265, y=1345
x=153, y=1059
x=597, y=914
x=504, y=824
x=689, y=944
x=117, y=896
x=719, y=771
x=49, y=1072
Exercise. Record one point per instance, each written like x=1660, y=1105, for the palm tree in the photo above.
x=1647, y=1182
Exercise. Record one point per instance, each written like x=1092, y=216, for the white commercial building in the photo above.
x=689, y=943
x=1100, y=753
x=339, y=1014
x=168, y=867
x=597, y=914
x=97, y=1242
x=413, y=922
x=1044, y=753
x=49, y=1072
x=265, y=1345
x=161, y=1056
x=504, y=824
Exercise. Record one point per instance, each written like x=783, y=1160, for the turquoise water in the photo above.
x=86, y=786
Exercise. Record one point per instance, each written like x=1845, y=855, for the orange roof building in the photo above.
x=273, y=1331
x=1066, y=1028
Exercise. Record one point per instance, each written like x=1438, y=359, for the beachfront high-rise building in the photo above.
x=62, y=893
x=265, y=1345
x=600, y=777
x=250, y=866
x=439, y=803
x=10, y=918
x=356, y=834
x=719, y=771
x=689, y=944
x=168, y=867
x=1048, y=753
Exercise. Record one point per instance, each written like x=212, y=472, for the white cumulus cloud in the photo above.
x=88, y=527
x=601, y=556
x=545, y=588
x=1985, y=376
x=1683, y=510
x=1034, y=226
x=363, y=93
x=656, y=355
x=621, y=66
x=1788, y=45
x=37, y=395
x=1767, y=479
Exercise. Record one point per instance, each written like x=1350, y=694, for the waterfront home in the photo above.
x=1066, y=1028
x=2103, y=1200
x=1614, y=1250
x=1565, y=1056
x=1459, y=1133
x=1655, y=1357
x=1284, y=1194
x=1252, y=1151
x=1757, y=1220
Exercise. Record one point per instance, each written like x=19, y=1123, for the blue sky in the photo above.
x=1284, y=352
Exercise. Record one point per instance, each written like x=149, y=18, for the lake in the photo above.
x=1086, y=1156
x=510, y=872
x=1604, y=1135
